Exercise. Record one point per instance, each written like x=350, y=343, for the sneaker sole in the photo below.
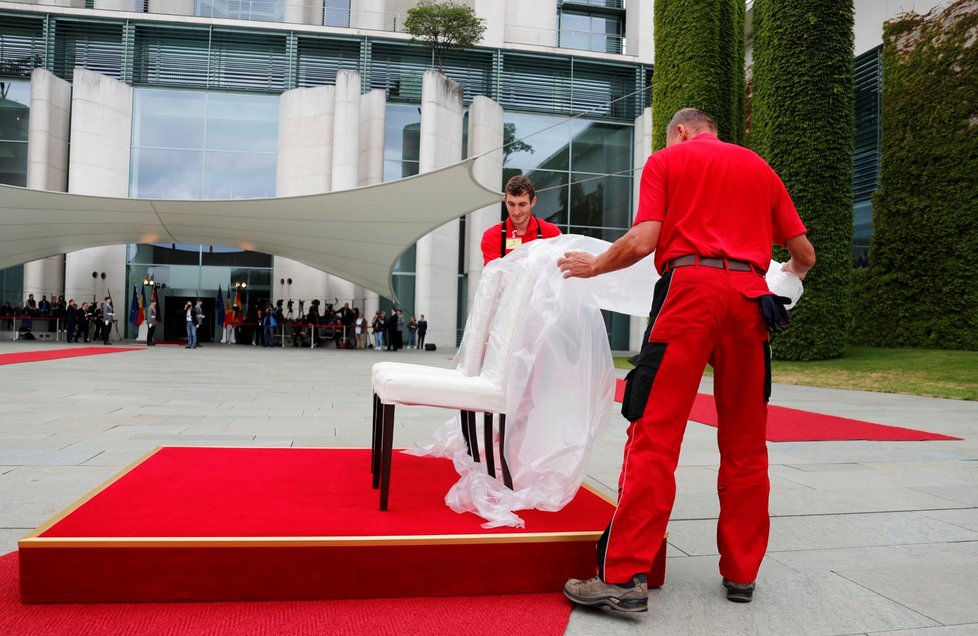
x=620, y=605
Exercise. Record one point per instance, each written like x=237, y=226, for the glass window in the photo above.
x=601, y=148
x=170, y=119
x=15, y=99
x=197, y=145
x=590, y=32
x=600, y=201
x=534, y=141
x=337, y=13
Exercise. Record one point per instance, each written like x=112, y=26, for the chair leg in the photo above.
x=487, y=437
x=375, y=442
x=464, y=421
x=386, y=453
x=507, y=478
x=473, y=436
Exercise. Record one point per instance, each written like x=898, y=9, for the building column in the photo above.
x=346, y=164
x=303, y=12
x=305, y=166
x=47, y=167
x=98, y=164
x=485, y=136
x=638, y=31
x=643, y=148
x=373, y=119
x=170, y=7
x=436, y=273
x=370, y=14
x=494, y=14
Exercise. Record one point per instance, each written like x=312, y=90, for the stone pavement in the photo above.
x=867, y=537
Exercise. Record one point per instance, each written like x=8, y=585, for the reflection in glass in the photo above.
x=600, y=201
x=159, y=173
x=601, y=148
x=238, y=175
x=537, y=142
x=168, y=119
x=242, y=122
x=15, y=98
x=337, y=13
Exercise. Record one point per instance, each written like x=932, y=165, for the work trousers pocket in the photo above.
x=638, y=382
x=767, y=370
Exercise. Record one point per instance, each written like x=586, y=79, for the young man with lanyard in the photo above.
x=520, y=226
x=710, y=211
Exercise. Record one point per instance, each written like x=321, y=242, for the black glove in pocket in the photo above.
x=776, y=317
x=638, y=382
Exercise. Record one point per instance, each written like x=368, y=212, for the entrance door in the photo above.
x=175, y=318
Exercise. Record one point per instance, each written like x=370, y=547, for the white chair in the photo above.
x=485, y=393
x=471, y=354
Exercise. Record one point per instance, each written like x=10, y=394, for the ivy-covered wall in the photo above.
x=921, y=287
x=699, y=63
x=802, y=123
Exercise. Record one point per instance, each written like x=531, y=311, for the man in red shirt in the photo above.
x=710, y=211
x=521, y=226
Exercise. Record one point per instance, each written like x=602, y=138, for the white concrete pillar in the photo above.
x=643, y=148
x=494, y=14
x=531, y=22
x=171, y=7
x=370, y=14
x=305, y=166
x=303, y=12
x=98, y=164
x=346, y=163
x=485, y=136
x=47, y=167
x=373, y=118
x=638, y=31
x=436, y=279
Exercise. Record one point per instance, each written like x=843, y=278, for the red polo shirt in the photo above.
x=715, y=199
x=492, y=237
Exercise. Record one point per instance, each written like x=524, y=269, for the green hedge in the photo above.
x=921, y=288
x=803, y=125
x=699, y=63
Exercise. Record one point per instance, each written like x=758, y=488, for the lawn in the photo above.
x=925, y=372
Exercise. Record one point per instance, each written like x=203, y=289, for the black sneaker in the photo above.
x=629, y=597
x=739, y=592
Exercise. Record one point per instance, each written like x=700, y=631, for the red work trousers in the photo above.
x=705, y=317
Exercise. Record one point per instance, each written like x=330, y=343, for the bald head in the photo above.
x=687, y=123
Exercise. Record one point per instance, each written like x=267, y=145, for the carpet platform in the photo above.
x=59, y=354
x=274, y=524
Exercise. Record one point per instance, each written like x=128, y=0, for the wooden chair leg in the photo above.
x=464, y=422
x=473, y=437
x=507, y=478
x=387, y=446
x=375, y=442
x=487, y=437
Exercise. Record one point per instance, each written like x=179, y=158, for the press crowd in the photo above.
x=346, y=326
x=89, y=321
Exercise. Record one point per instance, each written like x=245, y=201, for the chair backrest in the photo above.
x=507, y=325
x=476, y=335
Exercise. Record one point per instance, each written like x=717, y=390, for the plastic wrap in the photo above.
x=783, y=283
x=559, y=385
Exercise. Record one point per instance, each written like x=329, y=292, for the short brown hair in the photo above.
x=520, y=185
x=692, y=118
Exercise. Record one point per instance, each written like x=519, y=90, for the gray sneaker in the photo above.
x=739, y=592
x=633, y=597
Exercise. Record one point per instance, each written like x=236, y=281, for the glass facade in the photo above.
x=15, y=99
x=201, y=145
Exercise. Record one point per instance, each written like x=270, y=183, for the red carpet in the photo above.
x=57, y=354
x=794, y=425
x=297, y=524
x=543, y=614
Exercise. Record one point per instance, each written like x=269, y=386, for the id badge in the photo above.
x=513, y=243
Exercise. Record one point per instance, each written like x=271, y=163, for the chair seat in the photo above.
x=407, y=367
x=445, y=388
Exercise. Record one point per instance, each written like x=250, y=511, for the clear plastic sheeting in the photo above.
x=559, y=385
x=783, y=283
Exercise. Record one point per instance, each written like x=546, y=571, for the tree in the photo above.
x=802, y=123
x=699, y=63
x=444, y=26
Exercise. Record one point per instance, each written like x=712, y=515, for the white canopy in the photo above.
x=355, y=234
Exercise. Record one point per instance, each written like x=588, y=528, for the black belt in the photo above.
x=709, y=261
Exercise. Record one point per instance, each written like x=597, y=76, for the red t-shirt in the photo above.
x=715, y=199
x=492, y=237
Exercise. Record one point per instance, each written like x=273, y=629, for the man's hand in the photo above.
x=576, y=264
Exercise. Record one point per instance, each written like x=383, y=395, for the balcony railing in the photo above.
x=565, y=39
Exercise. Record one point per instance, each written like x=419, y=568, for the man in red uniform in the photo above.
x=711, y=212
x=521, y=226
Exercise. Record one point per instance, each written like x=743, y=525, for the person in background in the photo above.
x=520, y=225
x=152, y=317
x=412, y=327
x=422, y=331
